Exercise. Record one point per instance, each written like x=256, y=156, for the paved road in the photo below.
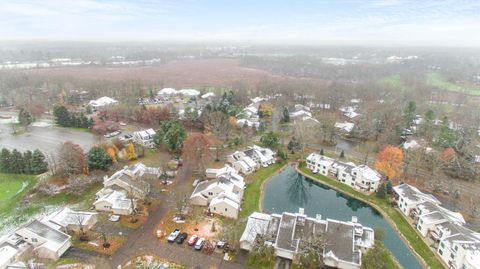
x=143, y=241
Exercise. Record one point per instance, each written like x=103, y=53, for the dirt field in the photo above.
x=179, y=73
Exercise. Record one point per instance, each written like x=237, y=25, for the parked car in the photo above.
x=193, y=240
x=112, y=134
x=199, y=244
x=221, y=244
x=171, y=238
x=126, y=137
x=181, y=238
x=114, y=218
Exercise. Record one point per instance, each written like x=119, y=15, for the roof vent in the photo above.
x=301, y=211
x=354, y=219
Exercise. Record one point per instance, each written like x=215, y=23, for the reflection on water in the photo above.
x=288, y=191
x=298, y=191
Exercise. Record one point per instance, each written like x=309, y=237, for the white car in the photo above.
x=171, y=238
x=114, y=218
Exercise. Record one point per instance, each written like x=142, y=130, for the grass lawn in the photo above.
x=437, y=80
x=394, y=81
x=251, y=195
x=401, y=223
x=13, y=213
x=13, y=188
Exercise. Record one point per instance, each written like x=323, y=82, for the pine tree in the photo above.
x=321, y=152
x=382, y=191
x=5, y=161
x=27, y=162
x=39, y=164
x=25, y=117
x=342, y=154
x=16, y=162
x=286, y=115
x=98, y=158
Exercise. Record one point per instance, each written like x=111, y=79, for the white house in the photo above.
x=208, y=95
x=461, y=249
x=66, y=220
x=429, y=215
x=222, y=195
x=242, y=163
x=225, y=204
x=47, y=242
x=144, y=138
x=189, y=93
x=345, y=241
x=167, y=92
x=102, y=102
x=347, y=127
x=409, y=197
x=216, y=172
x=129, y=183
x=115, y=202
x=360, y=177
x=262, y=156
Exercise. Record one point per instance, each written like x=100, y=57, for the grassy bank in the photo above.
x=14, y=187
x=379, y=257
x=252, y=193
x=402, y=225
x=437, y=80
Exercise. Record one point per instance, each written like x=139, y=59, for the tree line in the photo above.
x=27, y=163
x=65, y=118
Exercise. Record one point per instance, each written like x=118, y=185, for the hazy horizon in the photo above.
x=373, y=22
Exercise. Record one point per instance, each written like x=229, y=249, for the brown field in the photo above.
x=180, y=73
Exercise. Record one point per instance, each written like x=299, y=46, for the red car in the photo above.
x=193, y=240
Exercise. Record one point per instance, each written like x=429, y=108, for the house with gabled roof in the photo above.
x=66, y=219
x=222, y=195
x=360, y=177
x=408, y=197
x=343, y=242
x=129, y=180
x=115, y=202
x=47, y=242
x=102, y=102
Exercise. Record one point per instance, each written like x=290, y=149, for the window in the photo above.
x=214, y=208
x=451, y=256
x=440, y=251
x=210, y=193
x=225, y=210
x=35, y=240
x=442, y=245
x=456, y=247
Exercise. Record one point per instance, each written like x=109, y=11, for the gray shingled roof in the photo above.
x=339, y=237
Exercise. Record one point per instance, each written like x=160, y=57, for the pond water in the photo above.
x=289, y=190
x=45, y=137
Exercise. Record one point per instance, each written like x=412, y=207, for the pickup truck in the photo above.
x=171, y=238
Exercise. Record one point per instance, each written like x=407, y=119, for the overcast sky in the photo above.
x=437, y=22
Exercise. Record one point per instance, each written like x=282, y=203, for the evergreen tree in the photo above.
x=446, y=137
x=270, y=140
x=342, y=154
x=5, y=161
x=293, y=145
x=62, y=116
x=285, y=115
x=27, y=162
x=25, y=117
x=98, y=158
x=389, y=187
x=16, y=162
x=39, y=164
x=321, y=152
x=410, y=113
x=382, y=191
x=171, y=134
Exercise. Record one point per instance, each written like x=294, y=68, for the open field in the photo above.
x=437, y=80
x=179, y=73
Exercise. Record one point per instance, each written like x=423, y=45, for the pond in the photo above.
x=45, y=137
x=289, y=190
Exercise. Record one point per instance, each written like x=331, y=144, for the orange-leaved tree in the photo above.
x=196, y=152
x=390, y=161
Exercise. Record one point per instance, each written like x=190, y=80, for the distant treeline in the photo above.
x=27, y=163
x=65, y=118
